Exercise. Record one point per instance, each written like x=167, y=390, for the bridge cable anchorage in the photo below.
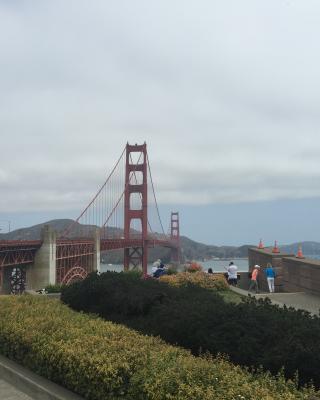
x=68, y=229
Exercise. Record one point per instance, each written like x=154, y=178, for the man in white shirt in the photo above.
x=232, y=274
x=155, y=266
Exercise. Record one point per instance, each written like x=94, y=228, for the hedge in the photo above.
x=252, y=333
x=202, y=279
x=101, y=360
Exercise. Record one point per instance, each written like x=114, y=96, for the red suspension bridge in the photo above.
x=124, y=214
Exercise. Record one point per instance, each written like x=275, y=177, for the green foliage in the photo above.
x=54, y=288
x=100, y=360
x=252, y=333
x=172, y=270
x=198, y=278
x=135, y=273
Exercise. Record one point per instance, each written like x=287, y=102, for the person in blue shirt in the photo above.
x=270, y=273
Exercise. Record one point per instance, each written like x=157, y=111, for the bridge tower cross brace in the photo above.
x=137, y=255
x=175, y=236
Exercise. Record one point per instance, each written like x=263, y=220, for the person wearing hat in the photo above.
x=254, y=279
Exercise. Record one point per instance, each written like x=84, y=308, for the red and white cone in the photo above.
x=275, y=248
x=300, y=254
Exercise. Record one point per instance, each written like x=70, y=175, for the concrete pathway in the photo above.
x=300, y=300
x=19, y=383
x=9, y=392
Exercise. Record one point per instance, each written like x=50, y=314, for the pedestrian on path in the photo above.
x=270, y=274
x=254, y=279
x=232, y=274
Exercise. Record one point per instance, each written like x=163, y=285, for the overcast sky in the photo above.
x=225, y=93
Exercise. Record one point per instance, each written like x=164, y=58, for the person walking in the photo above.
x=232, y=274
x=210, y=271
x=254, y=279
x=270, y=274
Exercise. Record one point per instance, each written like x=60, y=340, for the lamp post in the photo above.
x=8, y=222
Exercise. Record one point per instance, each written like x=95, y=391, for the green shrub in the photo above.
x=252, y=333
x=172, y=270
x=199, y=278
x=100, y=360
x=54, y=288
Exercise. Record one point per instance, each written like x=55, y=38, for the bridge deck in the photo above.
x=22, y=252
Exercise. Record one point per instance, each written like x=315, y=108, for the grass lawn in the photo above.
x=230, y=296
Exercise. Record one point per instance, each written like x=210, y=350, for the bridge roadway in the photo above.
x=22, y=252
x=18, y=252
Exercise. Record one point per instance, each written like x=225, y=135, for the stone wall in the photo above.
x=301, y=275
x=243, y=280
x=262, y=257
x=292, y=274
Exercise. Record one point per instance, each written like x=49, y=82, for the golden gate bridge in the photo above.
x=123, y=214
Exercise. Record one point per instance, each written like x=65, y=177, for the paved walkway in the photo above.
x=9, y=392
x=19, y=383
x=299, y=300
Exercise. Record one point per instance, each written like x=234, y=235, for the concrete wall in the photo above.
x=43, y=271
x=262, y=257
x=6, y=278
x=243, y=281
x=293, y=274
x=301, y=275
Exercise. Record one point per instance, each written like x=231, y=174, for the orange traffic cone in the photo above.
x=261, y=246
x=300, y=254
x=276, y=248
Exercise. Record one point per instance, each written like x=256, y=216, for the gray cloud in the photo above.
x=226, y=94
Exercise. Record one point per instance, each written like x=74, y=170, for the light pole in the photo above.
x=8, y=222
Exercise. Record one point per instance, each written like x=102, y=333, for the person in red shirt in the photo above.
x=254, y=279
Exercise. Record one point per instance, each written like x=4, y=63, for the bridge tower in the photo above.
x=138, y=255
x=175, y=236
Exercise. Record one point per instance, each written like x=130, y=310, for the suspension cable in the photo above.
x=67, y=230
x=154, y=195
x=126, y=185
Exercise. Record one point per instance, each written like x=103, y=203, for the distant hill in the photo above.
x=75, y=230
x=190, y=249
x=308, y=248
x=198, y=251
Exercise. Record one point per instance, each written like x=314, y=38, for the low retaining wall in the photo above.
x=301, y=275
x=243, y=280
x=292, y=274
x=262, y=257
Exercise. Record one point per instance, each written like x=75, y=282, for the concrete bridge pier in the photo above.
x=43, y=271
x=96, y=251
x=5, y=281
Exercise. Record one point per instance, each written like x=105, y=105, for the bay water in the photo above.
x=216, y=265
